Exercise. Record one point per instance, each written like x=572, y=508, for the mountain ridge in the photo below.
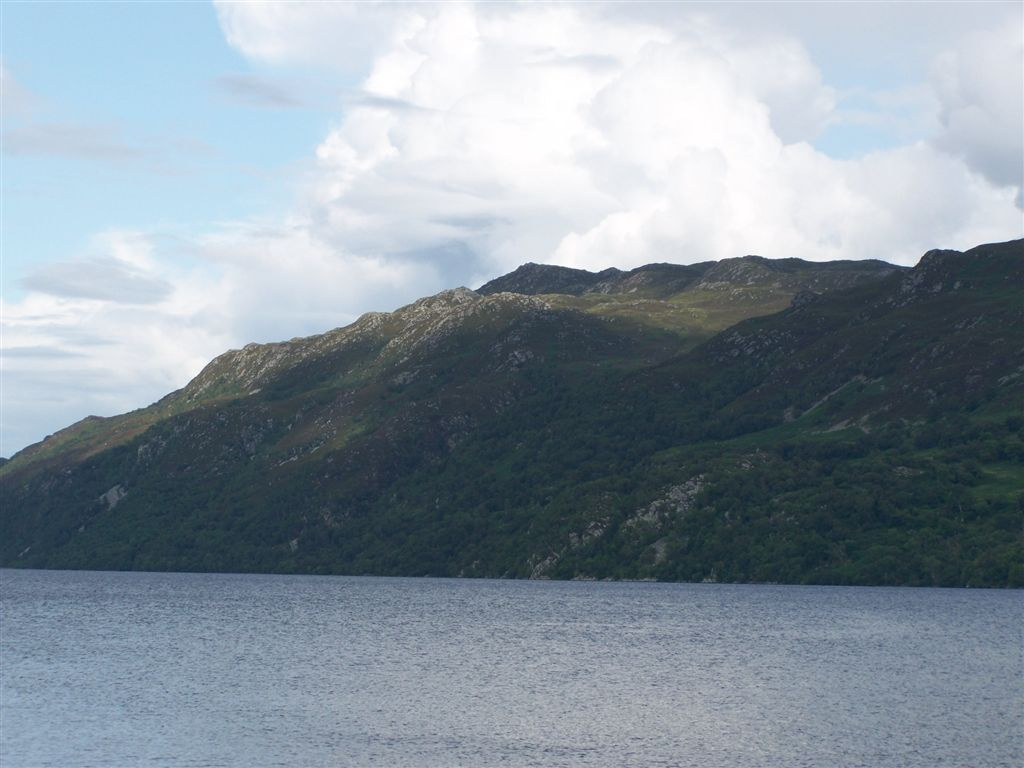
x=532, y=278
x=597, y=282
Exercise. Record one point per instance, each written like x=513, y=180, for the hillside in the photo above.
x=746, y=420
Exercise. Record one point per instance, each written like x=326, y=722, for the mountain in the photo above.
x=745, y=420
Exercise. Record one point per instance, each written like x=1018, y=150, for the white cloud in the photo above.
x=500, y=134
x=279, y=280
x=341, y=36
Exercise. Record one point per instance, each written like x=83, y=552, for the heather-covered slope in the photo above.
x=745, y=420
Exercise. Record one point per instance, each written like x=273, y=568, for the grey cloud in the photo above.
x=71, y=140
x=594, y=63
x=979, y=87
x=100, y=278
x=451, y=260
x=1000, y=161
x=106, y=144
x=257, y=92
x=471, y=223
x=367, y=99
x=49, y=353
x=71, y=336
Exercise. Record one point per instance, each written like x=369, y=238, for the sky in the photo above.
x=182, y=178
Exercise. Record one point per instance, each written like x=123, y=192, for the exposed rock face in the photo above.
x=541, y=565
x=112, y=497
x=803, y=298
x=675, y=503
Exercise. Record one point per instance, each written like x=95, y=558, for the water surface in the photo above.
x=128, y=669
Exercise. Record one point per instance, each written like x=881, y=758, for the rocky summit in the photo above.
x=746, y=420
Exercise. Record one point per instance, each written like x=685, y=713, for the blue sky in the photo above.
x=180, y=178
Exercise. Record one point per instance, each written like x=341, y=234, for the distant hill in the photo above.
x=743, y=420
x=665, y=280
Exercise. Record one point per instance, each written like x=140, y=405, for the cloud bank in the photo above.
x=491, y=135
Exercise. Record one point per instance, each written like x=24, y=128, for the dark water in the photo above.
x=200, y=670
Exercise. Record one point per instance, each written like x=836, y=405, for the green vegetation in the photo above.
x=742, y=421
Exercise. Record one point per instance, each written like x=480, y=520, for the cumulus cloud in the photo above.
x=492, y=135
x=278, y=279
x=338, y=36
